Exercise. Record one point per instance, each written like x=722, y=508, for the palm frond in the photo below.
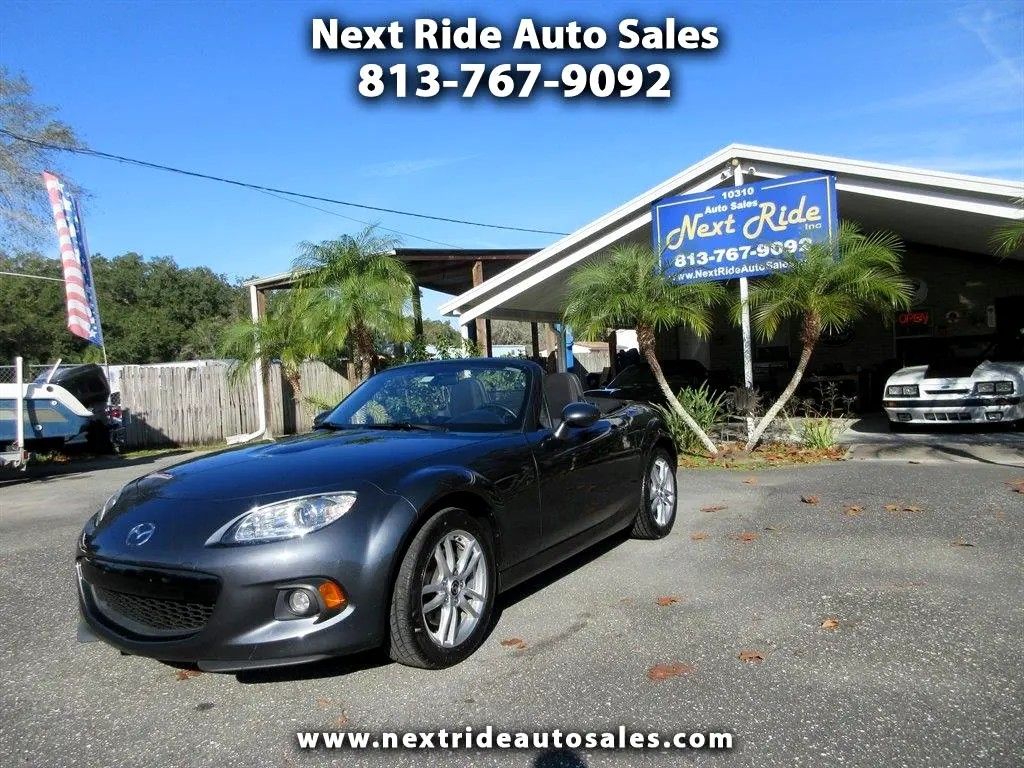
x=628, y=288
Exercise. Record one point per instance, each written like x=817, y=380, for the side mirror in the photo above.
x=577, y=416
x=319, y=418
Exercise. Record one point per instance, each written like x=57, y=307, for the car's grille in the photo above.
x=154, y=612
x=943, y=416
x=947, y=391
x=148, y=603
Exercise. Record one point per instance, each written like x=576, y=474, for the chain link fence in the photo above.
x=29, y=373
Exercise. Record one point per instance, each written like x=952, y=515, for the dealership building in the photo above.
x=964, y=295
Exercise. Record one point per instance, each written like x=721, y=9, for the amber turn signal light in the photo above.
x=333, y=595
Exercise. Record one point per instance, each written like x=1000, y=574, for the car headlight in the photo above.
x=288, y=519
x=902, y=390
x=994, y=388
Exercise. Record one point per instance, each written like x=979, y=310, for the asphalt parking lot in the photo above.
x=923, y=669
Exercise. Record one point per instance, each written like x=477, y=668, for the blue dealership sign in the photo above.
x=743, y=231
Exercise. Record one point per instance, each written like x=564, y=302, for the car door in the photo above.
x=584, y=476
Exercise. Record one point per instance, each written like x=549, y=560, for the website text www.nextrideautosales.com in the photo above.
x=489, y=738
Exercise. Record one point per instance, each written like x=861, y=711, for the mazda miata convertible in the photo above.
x=396, y=521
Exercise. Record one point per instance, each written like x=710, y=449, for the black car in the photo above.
x=425, y=493
x=636, y=383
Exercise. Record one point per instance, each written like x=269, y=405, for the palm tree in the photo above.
x=359, y=291
x=286, y=334
x=1009, y=238
x=834, y=284
x=628, y=289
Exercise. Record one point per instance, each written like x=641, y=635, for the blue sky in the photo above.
x=233, y=89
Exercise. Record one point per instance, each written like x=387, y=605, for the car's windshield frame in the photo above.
x=525, y=416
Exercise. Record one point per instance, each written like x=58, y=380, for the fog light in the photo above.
x=333, y=595
x=903, y=416
x=299, y=602
x=994, y=416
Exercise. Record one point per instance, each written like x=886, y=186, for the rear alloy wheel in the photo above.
x=658, y=498
x=444, y=592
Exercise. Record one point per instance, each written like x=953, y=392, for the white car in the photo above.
x=958, y=390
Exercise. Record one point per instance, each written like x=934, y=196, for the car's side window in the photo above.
x=543, y=415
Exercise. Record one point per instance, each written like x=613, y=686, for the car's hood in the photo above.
x=188, y=502
x=958, y=370
x=305, y=464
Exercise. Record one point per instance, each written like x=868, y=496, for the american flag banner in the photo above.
x=83, y=311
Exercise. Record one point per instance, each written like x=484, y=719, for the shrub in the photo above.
x=706, y=409
x=819, y=432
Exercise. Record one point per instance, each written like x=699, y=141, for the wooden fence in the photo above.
x=169, y=406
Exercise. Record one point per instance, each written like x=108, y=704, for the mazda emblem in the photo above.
x=140, y=534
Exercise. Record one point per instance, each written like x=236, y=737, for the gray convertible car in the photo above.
x=396, y=522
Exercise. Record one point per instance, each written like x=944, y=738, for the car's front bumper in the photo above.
x=965, y=410
x=223, y=610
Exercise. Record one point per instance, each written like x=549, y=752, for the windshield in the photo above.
x=633, y=375
x=465, y=397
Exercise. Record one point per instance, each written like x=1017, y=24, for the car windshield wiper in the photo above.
x=332, y=426
x=406, y=426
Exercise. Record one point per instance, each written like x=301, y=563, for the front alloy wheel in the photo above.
x=454, y=589
x=657, y=512
x=444, y=592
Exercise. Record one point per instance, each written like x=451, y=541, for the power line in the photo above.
x=358, y=221
x=261, y=188
x=34, y=277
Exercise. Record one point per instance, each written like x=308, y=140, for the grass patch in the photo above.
x=732, y=456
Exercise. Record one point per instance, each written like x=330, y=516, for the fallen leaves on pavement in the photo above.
x=810, y=499
x=959, y=542
x=713, y=508
x=1017, y=486
x=852, y=510
x=830, y=623
x=903, y=508
x=750, y=657
x=514, y=643
x=667, y=600
x=186, y=674
x=751, y=481
x=698, y=536
x=671, y=669
x=745, y=536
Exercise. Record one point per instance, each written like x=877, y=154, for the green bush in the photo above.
x=706, y=409
x=818, y=432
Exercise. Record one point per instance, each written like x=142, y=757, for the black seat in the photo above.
x=466, y=395
x=560, y=389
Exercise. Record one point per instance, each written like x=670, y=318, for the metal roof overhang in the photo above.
x=922, y=206
x=448, y=270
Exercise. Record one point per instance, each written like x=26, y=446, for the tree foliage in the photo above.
x=152, y=310
x=833, y=285
x=629, y=290
x=1009, y=238
x=289, y=333
x=24, y=207
x=358, y=290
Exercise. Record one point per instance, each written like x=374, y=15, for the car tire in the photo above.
x=659, y=498
x=424, y=636
x=98, y=441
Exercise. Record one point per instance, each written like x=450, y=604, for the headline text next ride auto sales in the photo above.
x=470, y=35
